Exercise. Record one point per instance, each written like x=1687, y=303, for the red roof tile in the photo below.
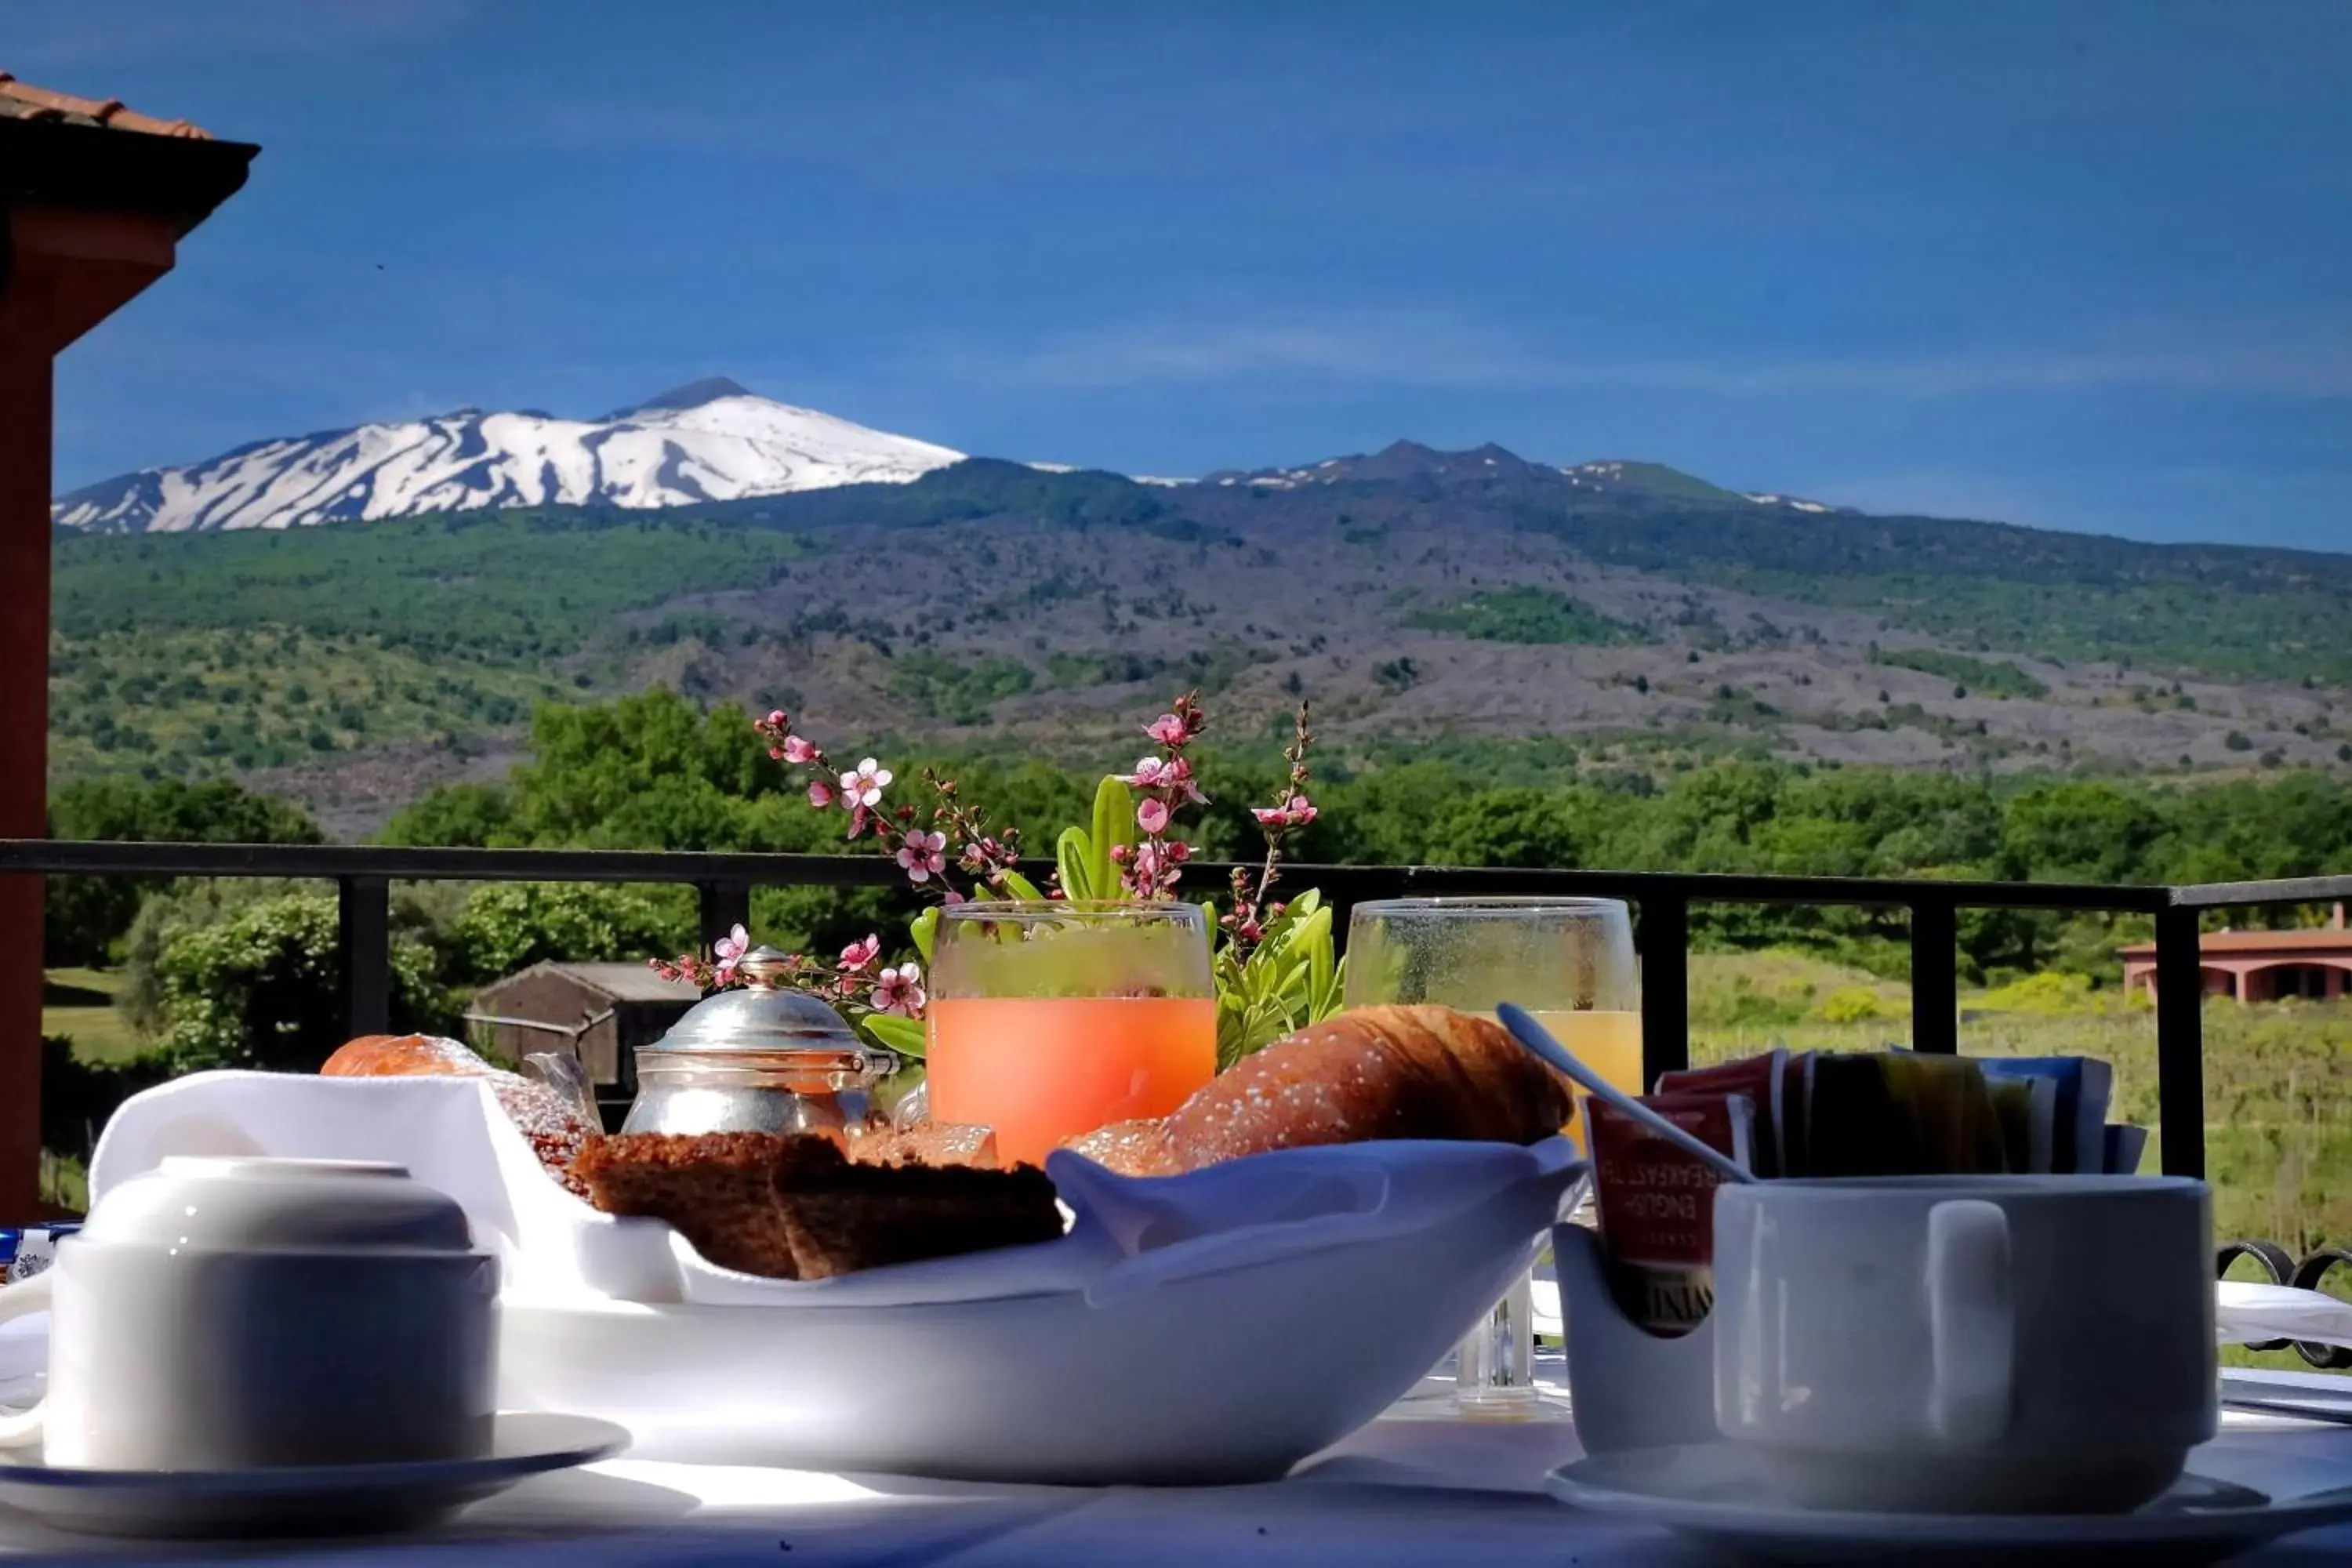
x=2308, y=939
x=22, y=100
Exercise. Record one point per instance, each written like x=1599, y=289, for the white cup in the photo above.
x=226, y=1315
x=1966, y=1344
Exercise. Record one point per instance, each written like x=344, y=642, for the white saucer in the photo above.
x=1715, y=1494
x=303, y=1499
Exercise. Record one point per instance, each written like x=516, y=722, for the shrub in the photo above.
x=1851, y=1005
x=77, y=1097
x=507, y=926
x=263, y=988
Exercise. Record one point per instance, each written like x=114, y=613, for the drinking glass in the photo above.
x=1568, y=962
x=1047, y=1020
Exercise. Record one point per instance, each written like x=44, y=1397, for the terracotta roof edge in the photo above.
x=47, y=103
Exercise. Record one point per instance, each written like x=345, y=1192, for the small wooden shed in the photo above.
x=604, y=1011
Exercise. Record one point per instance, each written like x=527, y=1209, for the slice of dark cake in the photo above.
x=718, y=1189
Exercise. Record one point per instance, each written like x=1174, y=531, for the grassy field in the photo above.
x=79, y=1003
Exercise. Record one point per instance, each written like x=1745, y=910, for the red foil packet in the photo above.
x=1657, y=1203
x=1764, y=1080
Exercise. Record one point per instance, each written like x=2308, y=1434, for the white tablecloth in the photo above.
x=1418, y=1488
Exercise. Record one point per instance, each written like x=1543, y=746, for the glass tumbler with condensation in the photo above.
x=1570, y=962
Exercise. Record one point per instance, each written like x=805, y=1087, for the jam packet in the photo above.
x=1657, y=1203
x=1767, y=1082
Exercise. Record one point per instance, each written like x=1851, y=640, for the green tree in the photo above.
x=507, y=926
x=651, y=772
x=471, y=815
x=2082, y=831
x=263, y=988
x=86, y=917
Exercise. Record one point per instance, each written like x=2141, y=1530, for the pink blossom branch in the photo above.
x=852, y=979
x=1292, y=809
x=923, y=854
x=1164, y=779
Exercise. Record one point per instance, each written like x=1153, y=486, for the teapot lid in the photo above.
x=763, y=1016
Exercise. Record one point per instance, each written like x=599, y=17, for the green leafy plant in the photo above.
x=1289, y=980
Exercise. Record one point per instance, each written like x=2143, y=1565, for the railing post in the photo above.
x=1664, y=940
x=364, y=933
x=2180, y=1042
x=1935, y=977
x=725, y=906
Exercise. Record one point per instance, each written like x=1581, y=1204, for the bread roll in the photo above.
x=1371, y=1073
x=553, y=1129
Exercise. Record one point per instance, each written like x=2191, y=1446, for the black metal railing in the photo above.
x=364, y=876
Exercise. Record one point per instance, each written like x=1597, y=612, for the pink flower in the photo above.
x=920, y=854
x=779, y=720
x=952, y=897
x=1178, y=776
x=1150, y=772
x=858, y=817
x=820, y=794
x=798, y=751
x=1153, y=816
x=861, y=952
x=865, y=786
x=900, y=991
x=1296, y=811
x=730, y=950
x=1167, y=729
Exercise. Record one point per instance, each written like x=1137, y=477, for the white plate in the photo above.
x=1715, y=1494
x=304, y=1500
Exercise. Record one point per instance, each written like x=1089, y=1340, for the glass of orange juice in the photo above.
x=1570, y=962
x=1050, y=1019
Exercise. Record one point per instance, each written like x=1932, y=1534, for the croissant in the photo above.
x=1373, y=1072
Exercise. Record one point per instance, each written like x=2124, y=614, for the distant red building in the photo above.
x=2259, y=965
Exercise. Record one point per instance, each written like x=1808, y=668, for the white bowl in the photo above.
x=1227, y=1377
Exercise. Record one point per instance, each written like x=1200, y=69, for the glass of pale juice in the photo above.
x=1568, y=962
x=1051, y=1019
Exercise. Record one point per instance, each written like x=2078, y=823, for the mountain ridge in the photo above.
x=711, y=439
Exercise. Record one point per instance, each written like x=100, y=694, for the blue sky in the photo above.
x=2079, y=264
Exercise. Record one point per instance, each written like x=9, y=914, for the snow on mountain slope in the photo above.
x=712, y=440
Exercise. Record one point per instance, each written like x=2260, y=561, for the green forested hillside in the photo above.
x=1658, y=626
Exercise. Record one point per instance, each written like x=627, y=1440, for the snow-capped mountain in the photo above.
x=712, y=440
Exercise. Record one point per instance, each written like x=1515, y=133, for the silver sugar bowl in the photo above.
x=759, y=1060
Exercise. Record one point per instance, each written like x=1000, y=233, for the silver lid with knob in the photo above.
x=763, y=1058
x=761, y=1017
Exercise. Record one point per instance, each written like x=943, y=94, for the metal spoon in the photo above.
x=1536, y=1038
